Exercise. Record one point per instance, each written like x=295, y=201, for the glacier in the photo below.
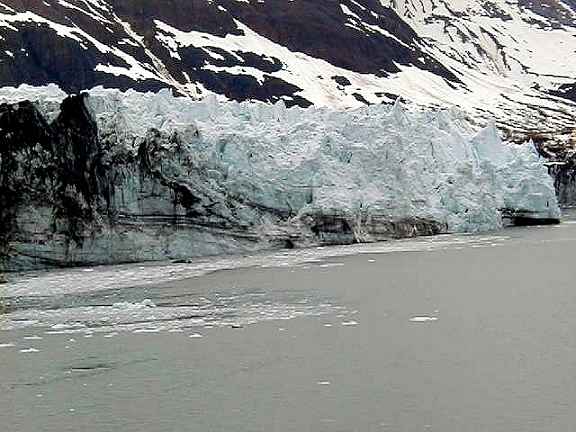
x=110, y=176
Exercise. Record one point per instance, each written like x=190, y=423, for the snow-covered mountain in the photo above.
x=512, y=60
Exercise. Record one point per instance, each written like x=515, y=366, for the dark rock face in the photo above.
x=564, y=175
x=55, y=165
x=567, y=91
x=22, y=128
x=558, y=147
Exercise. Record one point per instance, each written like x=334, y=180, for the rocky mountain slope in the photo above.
x=511, y=60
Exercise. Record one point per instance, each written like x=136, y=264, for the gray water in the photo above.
x=451, y=334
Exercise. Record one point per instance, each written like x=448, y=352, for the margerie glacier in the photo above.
x=110, y=177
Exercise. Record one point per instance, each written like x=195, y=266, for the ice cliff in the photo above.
x=110, y=177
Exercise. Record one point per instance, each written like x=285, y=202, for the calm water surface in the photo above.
x=450, y=334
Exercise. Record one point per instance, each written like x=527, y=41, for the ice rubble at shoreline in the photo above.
x=377, y=159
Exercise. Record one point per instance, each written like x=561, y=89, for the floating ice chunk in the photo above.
x=196, y=336
x=67, y=326
x=148, y=330
x=349, y=323
x=328, y=265
x=423, y=319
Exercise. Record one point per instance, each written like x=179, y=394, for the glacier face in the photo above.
x=168, y=177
